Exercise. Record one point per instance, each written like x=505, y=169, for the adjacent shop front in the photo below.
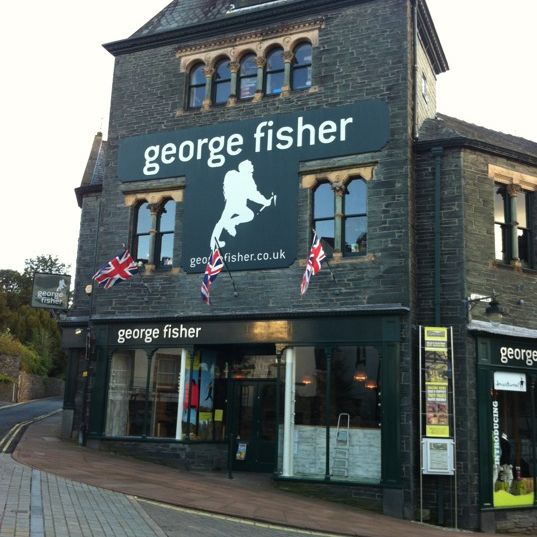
x=507, y=375
x=303, y=398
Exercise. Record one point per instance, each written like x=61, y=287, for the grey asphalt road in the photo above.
x=178, y=522
x=11, y=415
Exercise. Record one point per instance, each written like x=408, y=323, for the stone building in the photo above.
x=246, y=126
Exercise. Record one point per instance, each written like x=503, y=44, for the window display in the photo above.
x=513, y=451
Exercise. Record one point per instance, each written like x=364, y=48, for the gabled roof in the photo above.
x=448, y=131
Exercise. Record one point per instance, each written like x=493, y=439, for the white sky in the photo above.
x=57, y=81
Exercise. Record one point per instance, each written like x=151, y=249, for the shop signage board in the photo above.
x=436, y=381
x=242, y=178
x=438, y=456
x=511, y=382
x=51, y=291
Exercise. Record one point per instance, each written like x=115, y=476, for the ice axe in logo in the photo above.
x=272, y=201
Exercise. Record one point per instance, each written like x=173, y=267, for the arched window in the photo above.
x=221, y=82
x=154, y=233
x=196, y=86
x=274, y=72
x=301, y=67
x=142, y=238
x=247, y=77
x=345, y=206
x=324, y=213
x=355, y=218
x=165, y=234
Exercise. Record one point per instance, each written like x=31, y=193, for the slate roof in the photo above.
x=454, y=131
x=93, y=177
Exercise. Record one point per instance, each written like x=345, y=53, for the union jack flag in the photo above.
x=122, y=267
x=212, y=270
x=313, y=266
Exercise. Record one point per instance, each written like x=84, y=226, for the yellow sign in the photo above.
x=218, y=414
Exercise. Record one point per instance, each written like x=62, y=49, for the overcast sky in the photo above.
x=57, y=82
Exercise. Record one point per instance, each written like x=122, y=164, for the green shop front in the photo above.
x=507, y=376
x=301, y=397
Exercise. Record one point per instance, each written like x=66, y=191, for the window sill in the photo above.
x=338, y=259
x=514, y=267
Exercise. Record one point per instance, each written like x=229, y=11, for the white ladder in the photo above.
x=340, y=460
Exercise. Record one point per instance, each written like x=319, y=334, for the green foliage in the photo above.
x=35, y=329
x=5, y=379
x=44, y=263
x=30, y=360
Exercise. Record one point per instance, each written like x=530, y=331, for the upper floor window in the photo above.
x=301, y=68
x=165, y=235
x=196, y=87
x=512, y=233
x=222, y=82
x=247, y=77
x=142, y=236
x=274, y=72
x=154, y=233
x=324, y=213
x=340, y=216
x=355, y=217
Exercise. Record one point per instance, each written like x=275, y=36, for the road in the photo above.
x=178, y=522
x=14, y=418
x=40, y=504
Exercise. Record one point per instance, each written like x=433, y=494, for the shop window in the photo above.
x=154, y=233
x=340, y=216
x=163, y=397
x=125, y=414
x=274, y=72
x=196, y=87
x=301, y=67
x=512, y=235
x=513, y=448
x=204, y=402
x=221, y=82
x=349, y=406
x=247, y=77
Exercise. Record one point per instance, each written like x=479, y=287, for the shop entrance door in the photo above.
x=254, y=425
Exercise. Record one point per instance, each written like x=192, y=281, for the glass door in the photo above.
x=254, y=425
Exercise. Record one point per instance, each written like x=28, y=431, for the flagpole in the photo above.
x=235, y=292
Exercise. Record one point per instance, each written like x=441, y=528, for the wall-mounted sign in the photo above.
x=51, y=291
x=242, y=178
x=438, y=456
x=510, y=382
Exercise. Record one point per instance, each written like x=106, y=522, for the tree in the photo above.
x=35, y=328
x=44, y=263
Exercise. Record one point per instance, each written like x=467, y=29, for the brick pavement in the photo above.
x=39, y=504
x=247, y=496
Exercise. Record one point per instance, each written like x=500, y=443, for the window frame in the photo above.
x=269, y=73
x=193, y=86
x=340, y=213
x=517, y=181
x=218, y=83
x=241, y=77
x=295, y=67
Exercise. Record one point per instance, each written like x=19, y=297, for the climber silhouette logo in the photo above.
x=239, y=188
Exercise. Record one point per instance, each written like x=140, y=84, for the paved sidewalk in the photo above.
x=246, y=496
x=37, y=504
